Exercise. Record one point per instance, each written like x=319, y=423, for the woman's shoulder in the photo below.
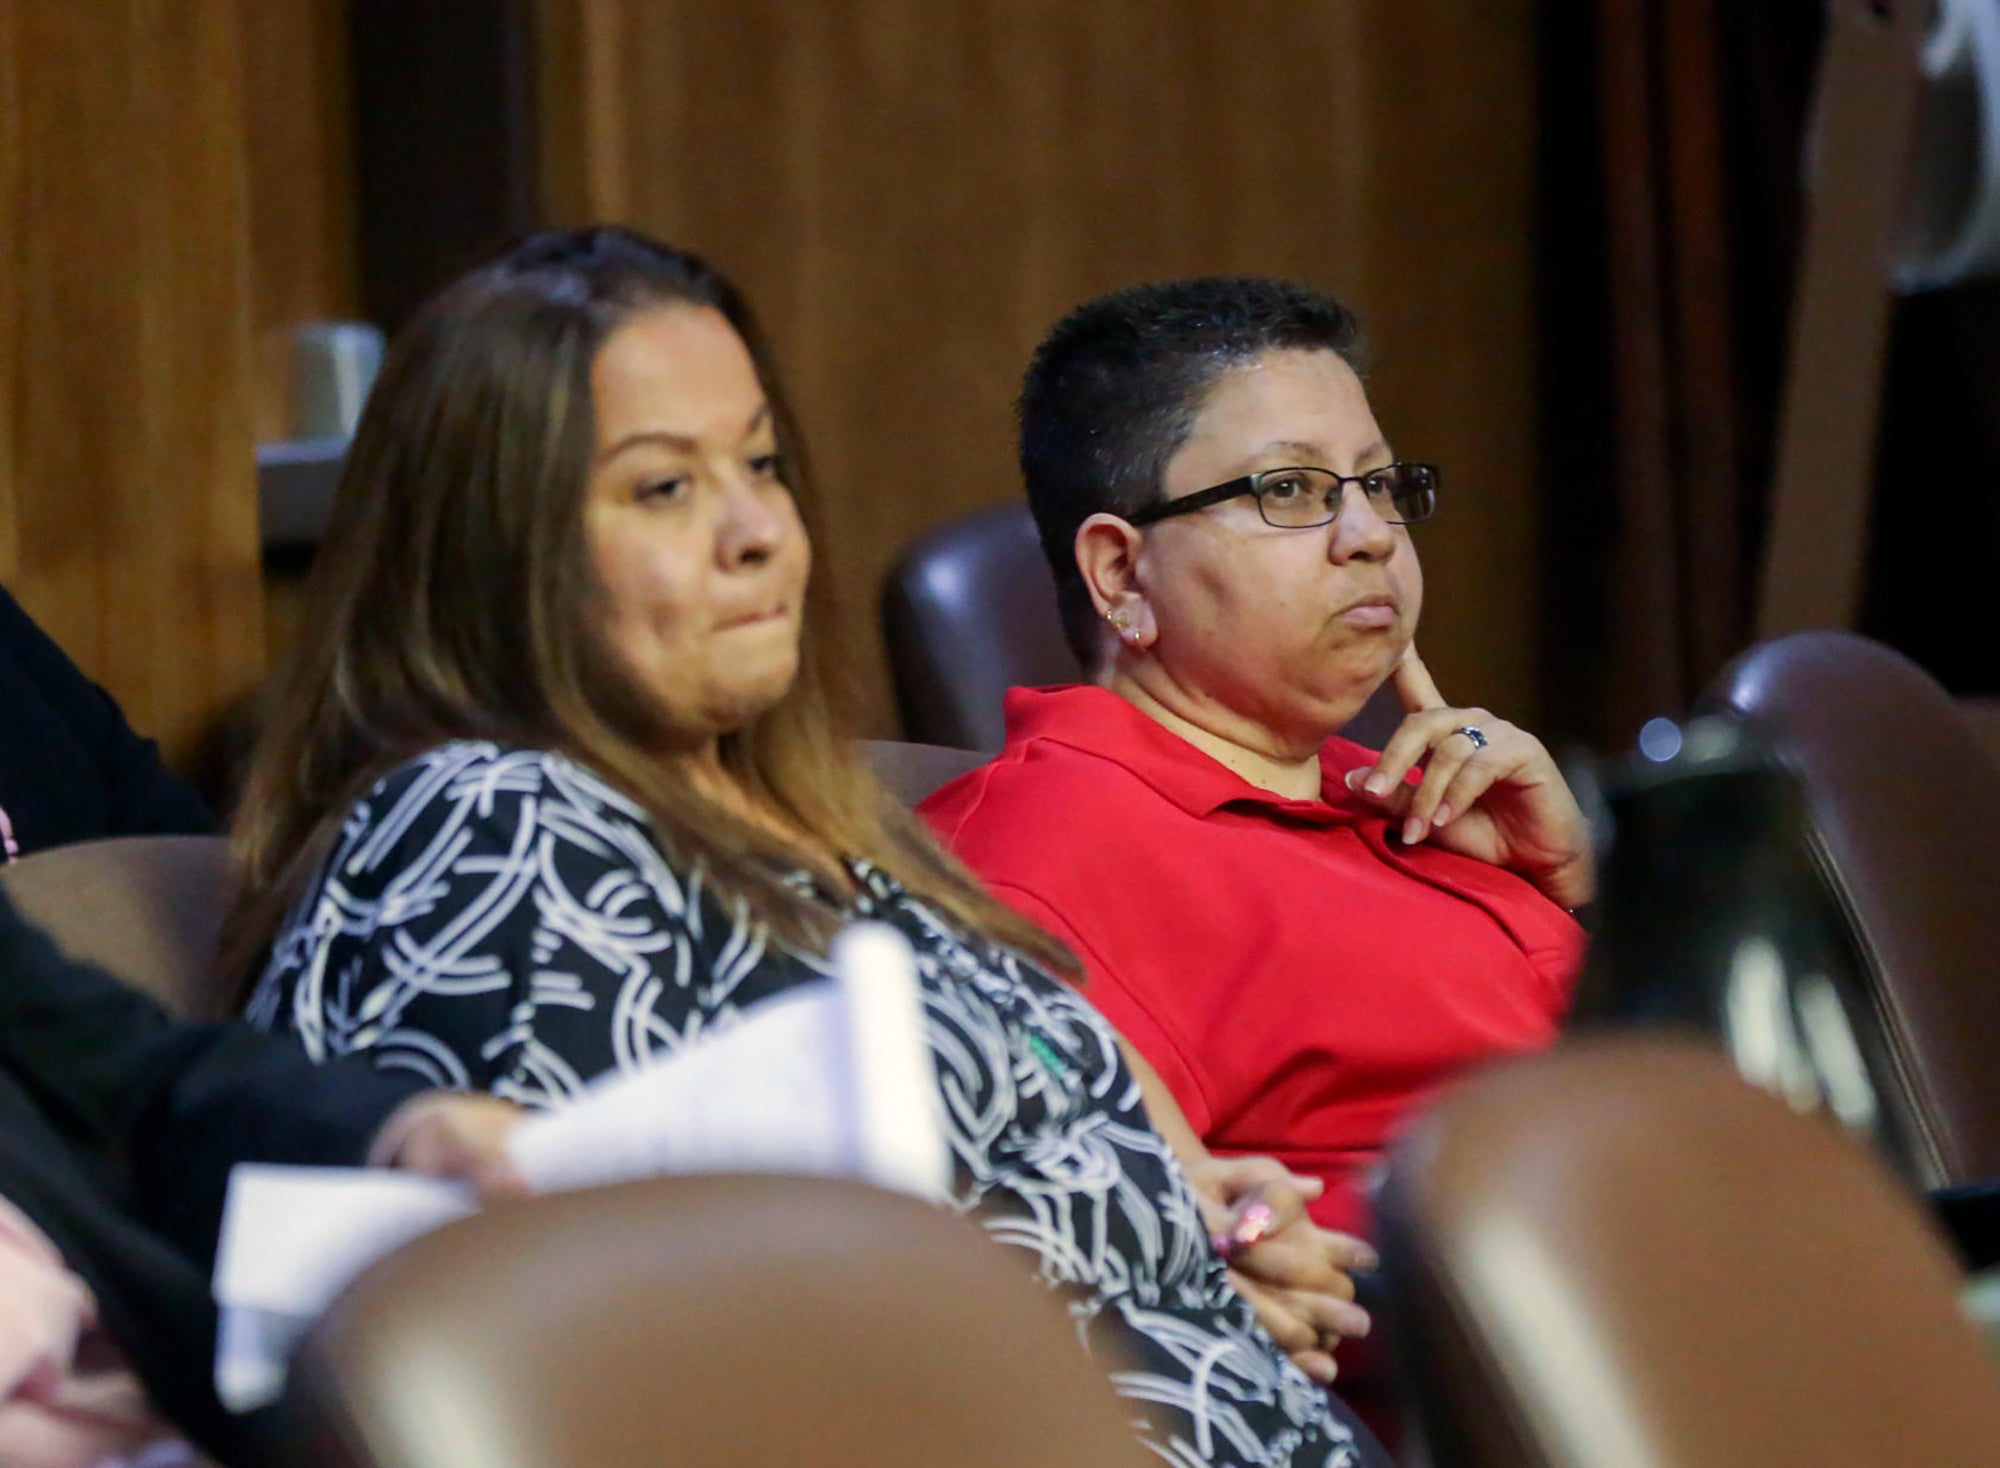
x=488, y=776
x=1037, y=802
x=473, y=795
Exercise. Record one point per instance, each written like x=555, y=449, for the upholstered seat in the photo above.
x=968, y=612
x=148, y=909
x=911, y=771
x=1621, y=1253
x=726, y=1322
x=1904, y=798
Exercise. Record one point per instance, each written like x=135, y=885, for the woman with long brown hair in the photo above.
x=554, y=789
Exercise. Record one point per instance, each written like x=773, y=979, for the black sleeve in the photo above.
x=141, y=797
x=173, y=1105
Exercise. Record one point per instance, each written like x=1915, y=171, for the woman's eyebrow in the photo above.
x=1309, y=454
x=664, y=438
x=680, y=443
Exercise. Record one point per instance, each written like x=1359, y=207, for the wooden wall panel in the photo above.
x=299, y=151
x=10, y=282
x=1446, y=196
x=913, y=191
x=299, y=147
x=130, y=509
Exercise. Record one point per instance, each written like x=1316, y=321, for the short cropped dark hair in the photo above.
x=1114, y=390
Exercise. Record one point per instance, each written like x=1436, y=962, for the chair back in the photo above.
x=911, y=771
x=1904, y=797
x=148, y=909
x=729, y=1322
x=1622, y=1253
x=968, y=612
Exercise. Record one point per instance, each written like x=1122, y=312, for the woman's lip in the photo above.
x=1369, y=612
x=753, y=619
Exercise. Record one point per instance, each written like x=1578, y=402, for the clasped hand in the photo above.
x=1504, y=803
x=1297, y=1276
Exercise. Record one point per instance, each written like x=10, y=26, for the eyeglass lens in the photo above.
x=1301, y=498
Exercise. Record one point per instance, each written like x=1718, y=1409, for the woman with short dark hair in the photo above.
x=1304, y=937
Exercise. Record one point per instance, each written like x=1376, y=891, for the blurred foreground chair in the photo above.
x=726, y=1322
x=147, y=909
x=1904, y=796
x=969, y=611
x=1620, y=1253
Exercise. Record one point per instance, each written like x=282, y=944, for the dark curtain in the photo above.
x=1934, y=543
x=1673, y=133
x=444, y=142
x=1671, y=145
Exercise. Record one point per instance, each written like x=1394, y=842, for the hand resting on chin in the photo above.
x=1503, y=802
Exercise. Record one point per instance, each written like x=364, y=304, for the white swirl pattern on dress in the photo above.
x=502, y=919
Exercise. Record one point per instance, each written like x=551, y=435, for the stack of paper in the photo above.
x=833, y=1078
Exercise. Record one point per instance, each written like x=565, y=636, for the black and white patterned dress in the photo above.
x=503, y=920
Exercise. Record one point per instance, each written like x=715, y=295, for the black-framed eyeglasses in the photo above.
x=1299, y=499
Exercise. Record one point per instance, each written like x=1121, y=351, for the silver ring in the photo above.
x=1474, y=733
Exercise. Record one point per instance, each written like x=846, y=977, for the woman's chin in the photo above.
x=1366, y=663
x=748, y=698
x=1358, y=679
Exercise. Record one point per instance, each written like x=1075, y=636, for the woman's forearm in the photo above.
x=1167, y=1117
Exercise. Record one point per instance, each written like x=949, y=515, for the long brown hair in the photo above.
x=453, y=599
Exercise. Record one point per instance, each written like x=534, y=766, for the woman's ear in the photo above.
x=1107, y=557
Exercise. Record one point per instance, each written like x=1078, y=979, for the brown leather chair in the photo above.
x=1620, y=1253
x=148, y=909
x=969, y=611
x=713, y=1321
x=1904, y=797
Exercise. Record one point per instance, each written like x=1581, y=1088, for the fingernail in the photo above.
x=1378, y=784
x=1440, y=816
x=1255, y=1220
x=1353, y=778
x=1413, y=831
x=1322, y=1372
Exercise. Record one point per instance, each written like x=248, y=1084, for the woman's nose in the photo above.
x=754, y=522
x=1358, y=532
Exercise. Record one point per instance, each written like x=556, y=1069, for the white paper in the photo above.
x=292, y=1238
x=833, y=1078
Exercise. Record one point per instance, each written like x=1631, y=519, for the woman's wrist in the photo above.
x=1572, y=884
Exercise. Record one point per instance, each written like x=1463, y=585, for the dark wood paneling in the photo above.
x=304, y=265
x=1445, y=150
x=912, y=192
x=129, y=500
x=300, y=155
x=10, y=283
x=444, y=141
